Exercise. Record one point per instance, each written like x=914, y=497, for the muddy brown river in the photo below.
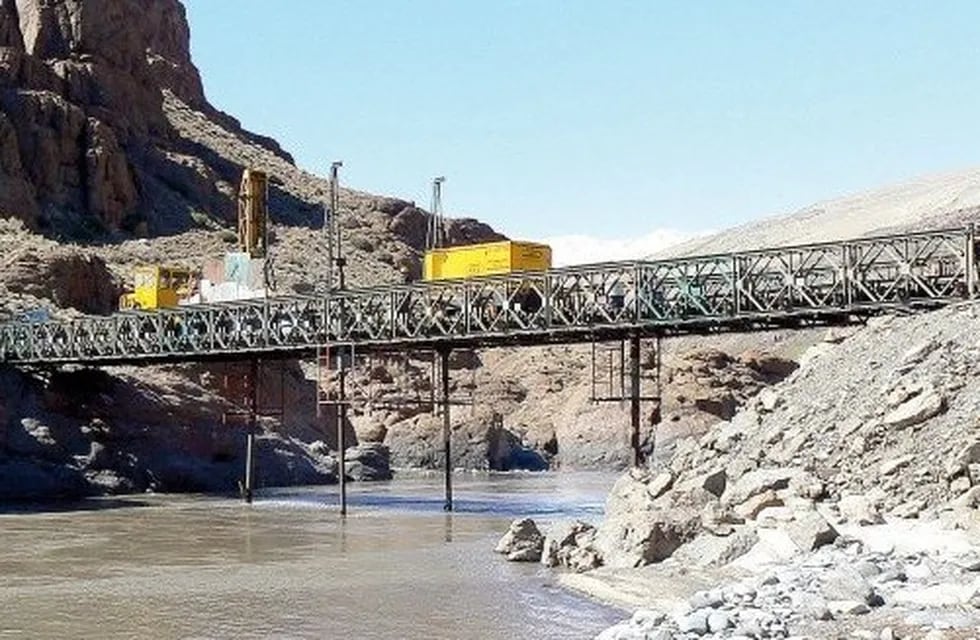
x=290, y=567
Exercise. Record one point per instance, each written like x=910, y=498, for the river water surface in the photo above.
x=290, y=567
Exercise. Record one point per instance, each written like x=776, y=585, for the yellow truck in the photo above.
x=158, y=287
x=486, y=259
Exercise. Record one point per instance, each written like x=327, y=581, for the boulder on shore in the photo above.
x=368, y=461
x=523, y=542
x=570, y=545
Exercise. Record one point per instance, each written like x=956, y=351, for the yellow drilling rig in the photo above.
x=239, y=275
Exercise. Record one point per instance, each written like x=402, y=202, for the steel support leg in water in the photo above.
x=341, y=420
x=635, y=399
x=446, y=428
x=252, y=389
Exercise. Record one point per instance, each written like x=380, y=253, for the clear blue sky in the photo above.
x=603, y=118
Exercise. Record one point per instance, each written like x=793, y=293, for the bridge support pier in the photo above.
x=446, y=427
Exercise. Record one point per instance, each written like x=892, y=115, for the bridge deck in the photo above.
x=833, y=282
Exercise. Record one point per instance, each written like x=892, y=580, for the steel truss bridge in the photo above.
x=827, y=283
x=833, y=282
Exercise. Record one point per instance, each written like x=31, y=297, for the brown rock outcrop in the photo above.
x=67, y=277
x=85, y=143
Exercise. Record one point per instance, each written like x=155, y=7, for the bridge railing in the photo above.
x=857, y=276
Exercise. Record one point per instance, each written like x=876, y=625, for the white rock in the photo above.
x=718, y=621
x=660, y=484
x=751, y=508
x=918, y=353
x=523, y=541
x=910, y=509
x=970, y=454
x=772, y=517
x=938, y=595
x=960, y=485
x=647, y=619
x=847, y=607
x=860, y=509
x=814, y=353
x=758, y=481
x=706, y=600
x=810, y=531
x=889, y=467
x=768, y=400
x=918, y=409
x=715, y=551
x=695, y=622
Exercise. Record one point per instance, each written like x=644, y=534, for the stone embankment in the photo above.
x=840, y=502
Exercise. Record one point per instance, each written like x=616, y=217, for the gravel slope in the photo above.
x=929, y=202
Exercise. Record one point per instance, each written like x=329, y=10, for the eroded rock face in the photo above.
x=84, y=139
x=65, y=276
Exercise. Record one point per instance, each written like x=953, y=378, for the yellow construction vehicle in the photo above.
x=158, y=287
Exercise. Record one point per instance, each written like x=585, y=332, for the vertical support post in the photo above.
x=659, y=394
x=971, y=259
x=249, y=463
x=635, y=398
x=337, y=250
x=622, y=368
x=736, y=285
x=433, y=374
x=593, y=371
x=252, y=388
x=637, y=294
x=446, y=428
x=341, y=420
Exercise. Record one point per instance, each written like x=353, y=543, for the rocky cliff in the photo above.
x=87, y=148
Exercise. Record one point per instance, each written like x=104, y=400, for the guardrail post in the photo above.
x=736, y=284
x=547, y=300
x=637, y=303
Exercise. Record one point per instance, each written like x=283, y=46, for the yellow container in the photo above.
x=487, y=259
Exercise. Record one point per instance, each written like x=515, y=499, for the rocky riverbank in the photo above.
x=843, y=501
x=82, y=433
